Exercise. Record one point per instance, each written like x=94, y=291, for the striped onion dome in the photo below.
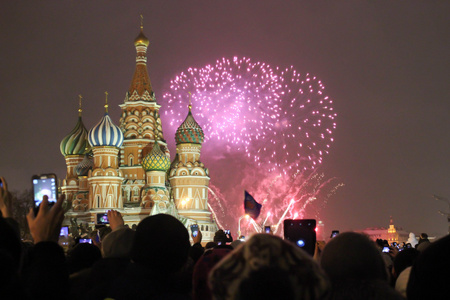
x=189, y=131
x=76, y=141
x=156, y=160
x=82, y=169
x=105, y=133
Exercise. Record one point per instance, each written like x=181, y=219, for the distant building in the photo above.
x=391, y=234
x=128, y=167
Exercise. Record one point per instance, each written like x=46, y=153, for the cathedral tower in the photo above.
x=188, y=177
x=140, y=123
x=73, y=147
x=105, y=179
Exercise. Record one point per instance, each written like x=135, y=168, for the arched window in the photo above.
x=130, y=159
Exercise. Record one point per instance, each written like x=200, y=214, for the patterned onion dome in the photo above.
x=189, y=131
x=156, y=160
x=105, y=133
x=82, y=169
x=76, y=141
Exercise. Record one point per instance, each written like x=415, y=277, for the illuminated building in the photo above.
x=128, y=168
x=391, y=234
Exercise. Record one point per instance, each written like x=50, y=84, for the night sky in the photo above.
x=384, y=63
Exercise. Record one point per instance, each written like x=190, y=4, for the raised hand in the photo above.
x=115, y=219
x=46, y=226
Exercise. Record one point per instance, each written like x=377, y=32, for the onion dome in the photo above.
x=106, y=133
x=76, y=142
x=141, y=39
x=189, y=131
x=156, y=160
x=82, y=169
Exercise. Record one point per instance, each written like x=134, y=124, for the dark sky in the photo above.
x=385, y=63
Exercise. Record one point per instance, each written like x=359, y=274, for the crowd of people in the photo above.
x=158, y=261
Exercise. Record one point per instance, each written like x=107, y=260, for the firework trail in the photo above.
x=279, y=120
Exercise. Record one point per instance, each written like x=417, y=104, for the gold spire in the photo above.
x=106, y=102
x=79, y=105
x=141, y=39
x=190, y=105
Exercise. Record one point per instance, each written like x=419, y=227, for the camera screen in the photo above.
x=85, y=241
x=64, y=231
x=102, y=219
x=42, y=187
x=194, y=229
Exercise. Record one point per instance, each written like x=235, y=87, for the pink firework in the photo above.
x=267, y=130
x=281, y=119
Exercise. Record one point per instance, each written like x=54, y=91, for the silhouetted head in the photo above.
x=404, y=259
x=161, y=243
x=430, y=276
x=10, y=241
x=352, y=255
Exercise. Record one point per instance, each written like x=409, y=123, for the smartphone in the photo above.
x=267, y=229
x=194, y=229
x=64, y=231
x=102, y=219
x=85, y=241
x=301, y=232
x=44, y=185
x=334, y=233
x=386, y=249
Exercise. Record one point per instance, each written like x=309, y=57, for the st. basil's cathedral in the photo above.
x=128, y=168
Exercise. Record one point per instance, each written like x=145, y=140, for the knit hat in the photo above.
x=264, y=252
x=118, y=243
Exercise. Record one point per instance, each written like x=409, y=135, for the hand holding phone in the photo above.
x=46, y=225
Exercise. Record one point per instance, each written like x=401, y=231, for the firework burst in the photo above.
x=274, y=124
x=279, y=118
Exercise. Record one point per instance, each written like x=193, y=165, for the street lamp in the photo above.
x=239, y=224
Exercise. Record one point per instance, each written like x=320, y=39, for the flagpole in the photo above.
x=239, y=223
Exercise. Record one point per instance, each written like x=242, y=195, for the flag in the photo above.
x=251, y=207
